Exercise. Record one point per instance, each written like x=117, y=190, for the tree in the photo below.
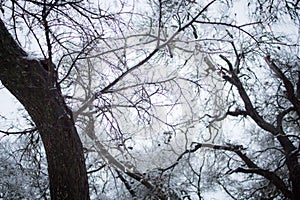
x=278, y=128
x=35, y=82
x=148, y=87
x=262, y=93
x=35, y=86
x=23, y=172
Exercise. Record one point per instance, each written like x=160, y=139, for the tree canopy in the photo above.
x=155, y=99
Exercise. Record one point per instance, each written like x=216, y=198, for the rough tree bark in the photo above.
x=41, y=96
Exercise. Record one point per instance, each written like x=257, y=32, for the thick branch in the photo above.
x=237, y=112
x=287, y=84
x=272, y=177
x=287, y=145
x=284, y=141
x=127, y=184
x=253, y=168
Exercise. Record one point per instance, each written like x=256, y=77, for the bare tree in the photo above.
x=66, y=37
x=261, y=158
x=147, y=86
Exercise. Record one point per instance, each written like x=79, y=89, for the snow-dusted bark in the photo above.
x=37, y=89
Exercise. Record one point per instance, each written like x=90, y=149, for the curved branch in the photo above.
x=287, y=84
x=19, y=132
x=287, y=145
x=252, y=167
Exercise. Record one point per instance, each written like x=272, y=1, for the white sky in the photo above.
x=9, y=109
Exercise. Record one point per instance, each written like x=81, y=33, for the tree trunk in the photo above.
x=29, y=82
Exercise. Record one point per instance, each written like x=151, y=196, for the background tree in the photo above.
x=262, y=81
